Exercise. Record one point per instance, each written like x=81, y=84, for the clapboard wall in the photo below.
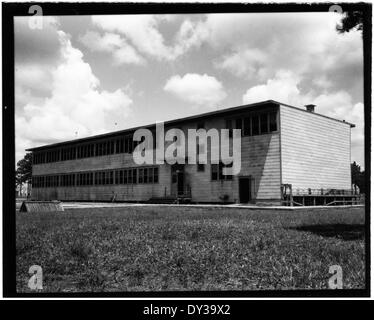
x=315, y=150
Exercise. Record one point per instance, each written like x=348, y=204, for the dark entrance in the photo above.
x=244, y=190
x=180, y=182
x=177, y=179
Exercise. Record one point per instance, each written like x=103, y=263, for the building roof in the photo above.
x=181, y=120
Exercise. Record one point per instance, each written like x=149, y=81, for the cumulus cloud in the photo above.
x=142, y=31
x=305, y=43
x=199, y=90
x=121, y=51
x=75, y=106
x=248, y=63
x=283, y=88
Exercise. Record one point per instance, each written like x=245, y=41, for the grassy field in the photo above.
x=179, y=248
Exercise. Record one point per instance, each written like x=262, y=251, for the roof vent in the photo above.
x=310, y=107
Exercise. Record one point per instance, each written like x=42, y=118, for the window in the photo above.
x=128, y=144
x=255, y=125
x=124, y=176
x=134, y=176
x=145, y=175
x=140, y=176
x=86, y=179
x=85, y=151
x=225, y=177
x=120, y=145
x=129, y=176
x=109, y=177
x=200, y=125
x=52, y=156
x=68, y=153
x=273, y=121
x=214, y=171
x=150, y=175
x=247, y=126
x=264, y=123
x=200, y=149
x=238, y=124
x=155, y=175
x=111, y=148
x=229, y=127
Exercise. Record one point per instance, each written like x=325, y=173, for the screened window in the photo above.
x=264, y=123
x=247, y=126
x=229, y=127
x=238, y=123
x=255, y=125
x=214, y=171
x=155, y=175
x=273, y=121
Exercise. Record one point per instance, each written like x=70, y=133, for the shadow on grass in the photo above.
x=342, y=231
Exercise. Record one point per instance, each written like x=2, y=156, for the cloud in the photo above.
x=285, y=88
x=246, y=63
x=256, y=46
x=199, y=90
x=75, y=106
x=142, y=31
x=191, y=34
x=121, y=51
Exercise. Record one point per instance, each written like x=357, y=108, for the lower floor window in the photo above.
x=217, y=171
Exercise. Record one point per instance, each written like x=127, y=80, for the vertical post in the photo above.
x=291, y=197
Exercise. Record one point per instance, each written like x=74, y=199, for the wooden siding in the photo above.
x=315, y=151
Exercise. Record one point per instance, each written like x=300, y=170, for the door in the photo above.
x=177, y=179
x=244, y=190
x=180, y=182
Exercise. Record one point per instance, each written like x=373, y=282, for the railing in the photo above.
x=312, y=197
x=322, y=192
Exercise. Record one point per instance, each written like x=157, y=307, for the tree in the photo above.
x=351, y=20
x=24, y=170
x=358, y=176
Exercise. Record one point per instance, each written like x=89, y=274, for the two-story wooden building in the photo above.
x=280, y=145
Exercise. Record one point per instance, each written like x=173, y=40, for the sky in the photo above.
x=81, y=76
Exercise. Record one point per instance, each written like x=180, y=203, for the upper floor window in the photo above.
x=200, y=125
x=273, y=121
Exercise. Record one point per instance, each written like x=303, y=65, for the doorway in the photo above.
x=180, y=182
x=245, y=190
x=177, y=179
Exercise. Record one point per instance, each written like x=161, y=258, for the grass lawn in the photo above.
x=179, y=248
